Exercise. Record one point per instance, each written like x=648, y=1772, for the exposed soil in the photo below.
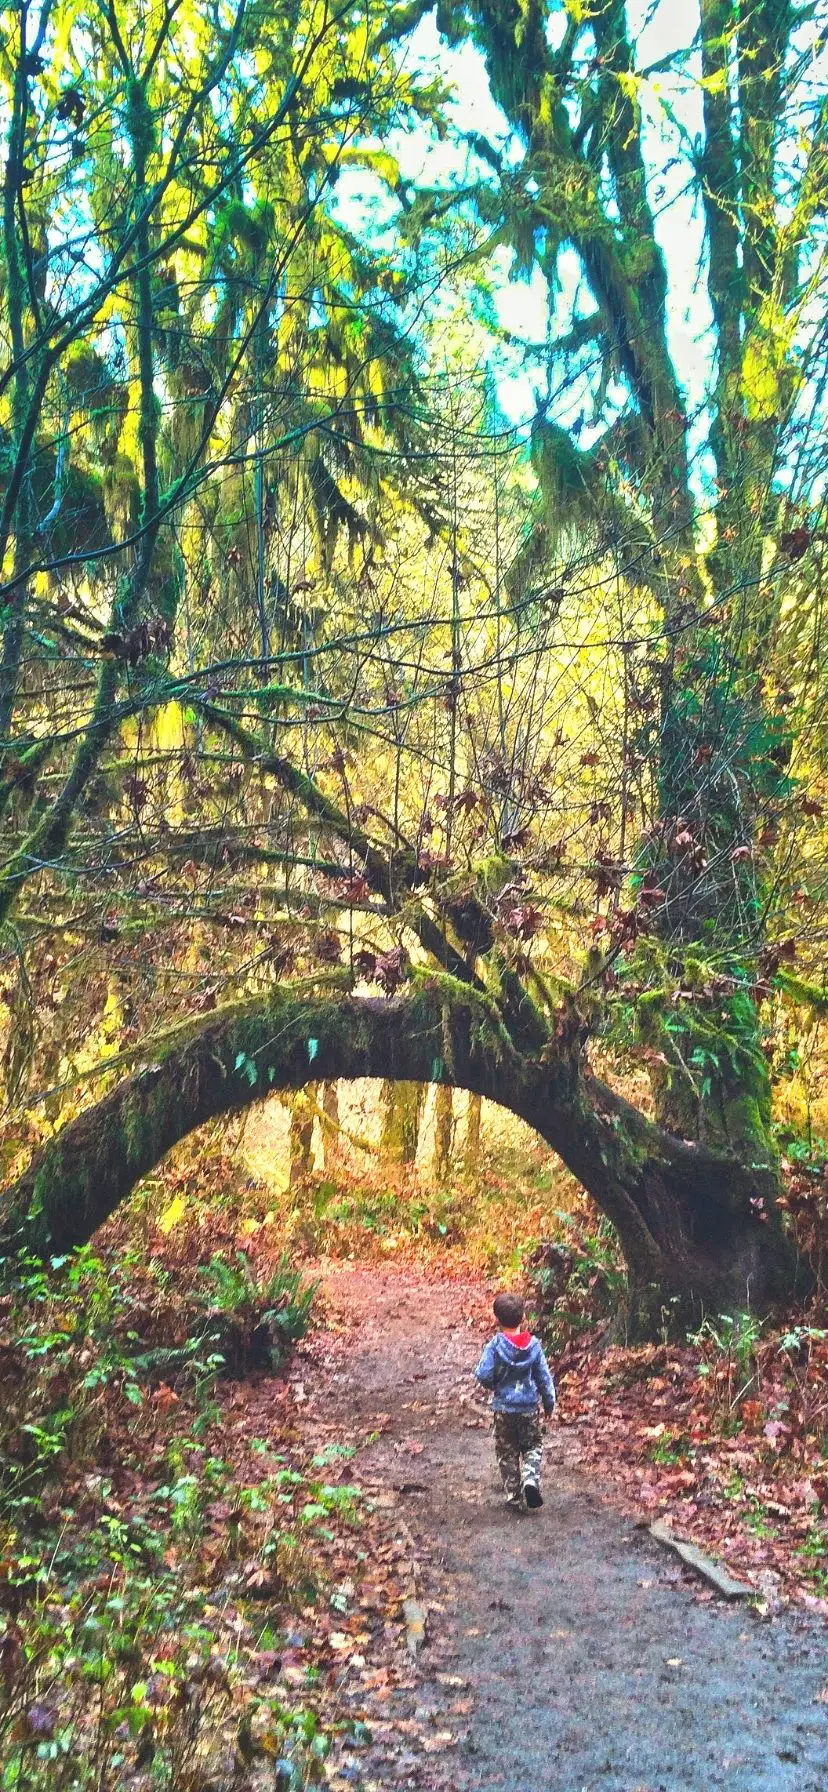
x=564, y=1650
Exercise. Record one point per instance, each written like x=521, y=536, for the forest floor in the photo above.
x=305, y=1576
x=557, y=1651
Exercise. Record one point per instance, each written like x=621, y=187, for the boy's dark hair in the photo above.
x=508, y=1310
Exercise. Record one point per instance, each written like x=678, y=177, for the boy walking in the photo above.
x=514, y=1367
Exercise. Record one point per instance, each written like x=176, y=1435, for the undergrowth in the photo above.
x=486, y=1222
x=139, y=1577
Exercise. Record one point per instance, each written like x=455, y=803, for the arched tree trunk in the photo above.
x=700, y=1229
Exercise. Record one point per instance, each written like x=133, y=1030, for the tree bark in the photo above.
x=700, y=1230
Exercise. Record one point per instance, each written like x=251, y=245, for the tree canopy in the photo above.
x=331, y=689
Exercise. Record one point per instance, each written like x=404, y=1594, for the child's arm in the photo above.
x=485, y=1371
x=546, y=1385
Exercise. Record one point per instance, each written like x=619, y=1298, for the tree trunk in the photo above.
x=700, y=1228
x=330, y=1133
x=711, y=1236
x=301, y=1134
x=716, y=1096
x=471, y=1142
x=402, y=1107
x=443, y=1131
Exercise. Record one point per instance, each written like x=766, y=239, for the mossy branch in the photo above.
x=808, y=995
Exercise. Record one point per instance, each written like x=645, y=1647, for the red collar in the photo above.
x=519, y=1339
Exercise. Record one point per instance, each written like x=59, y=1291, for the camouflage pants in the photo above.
x=519, y=1448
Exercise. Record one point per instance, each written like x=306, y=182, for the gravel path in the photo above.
x=592, y=1663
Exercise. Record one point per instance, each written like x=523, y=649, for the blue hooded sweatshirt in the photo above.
x=518, y=1375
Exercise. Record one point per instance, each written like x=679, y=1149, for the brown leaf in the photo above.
x=392, y=968
x=326, y=947
x=793, y=543
x=525, y=920
x=516, y=840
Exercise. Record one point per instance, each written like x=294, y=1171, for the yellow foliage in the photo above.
x=173, y=1214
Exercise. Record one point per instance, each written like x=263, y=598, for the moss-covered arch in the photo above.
x=687, y=1216
x=239, y=1056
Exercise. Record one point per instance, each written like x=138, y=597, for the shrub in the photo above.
x=577, y=1285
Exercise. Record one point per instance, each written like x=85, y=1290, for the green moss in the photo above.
x=140, y=119
x=552, y=990
x=491, y=873
x=650, y=1010
x=712, y=1082
x=492, y=1030
x=653, y=998
x=137, y=1129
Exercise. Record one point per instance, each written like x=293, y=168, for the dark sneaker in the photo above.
x=532, y=1496
x=515, y=1505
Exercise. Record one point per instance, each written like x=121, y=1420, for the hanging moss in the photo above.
x=121, y=494
x=471, y=1140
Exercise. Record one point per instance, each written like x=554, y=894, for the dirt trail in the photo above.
x=591, y=1663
